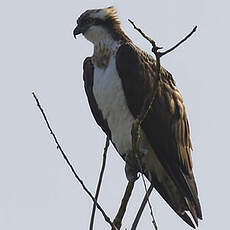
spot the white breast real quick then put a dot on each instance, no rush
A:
(109, 94)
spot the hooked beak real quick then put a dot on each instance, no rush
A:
(77, 30)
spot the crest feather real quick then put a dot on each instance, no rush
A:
(106, 13)
(111, 13)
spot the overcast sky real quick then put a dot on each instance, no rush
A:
(38, 53)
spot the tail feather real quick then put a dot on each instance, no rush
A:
(192, 210)
(187, 219)
(177, 201)
(192, 185)
(187, 188)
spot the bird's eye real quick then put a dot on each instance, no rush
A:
(88, 20)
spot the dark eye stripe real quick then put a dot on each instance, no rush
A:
(89, 20)
(86, 21)
(98, 21)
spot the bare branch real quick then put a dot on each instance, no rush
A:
(141, 209)
(179, 43)
(147, 198)
(99, 183)
(121, 212)
(107, 219)
(144, 35)
(155, 48)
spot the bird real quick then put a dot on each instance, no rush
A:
(117, 78)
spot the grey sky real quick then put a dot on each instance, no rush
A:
(38, 53)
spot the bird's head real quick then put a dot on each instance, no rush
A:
(98, 24)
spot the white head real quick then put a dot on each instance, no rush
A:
(99, 24)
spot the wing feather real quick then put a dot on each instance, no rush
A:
(166, 125)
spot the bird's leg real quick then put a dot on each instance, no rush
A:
(132, 166)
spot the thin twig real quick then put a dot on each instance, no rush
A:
(121, 212)
(99, 182)
(107, 219)
(141, 209)
(144, 35)
(153, 43)
(149, 204)
(149, 101)
(179, 43)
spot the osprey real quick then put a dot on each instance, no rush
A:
(117, 79)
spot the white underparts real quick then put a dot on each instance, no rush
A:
(109, 94)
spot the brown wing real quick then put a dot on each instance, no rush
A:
(166, 125)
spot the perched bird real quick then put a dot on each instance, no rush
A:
(117, 79)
